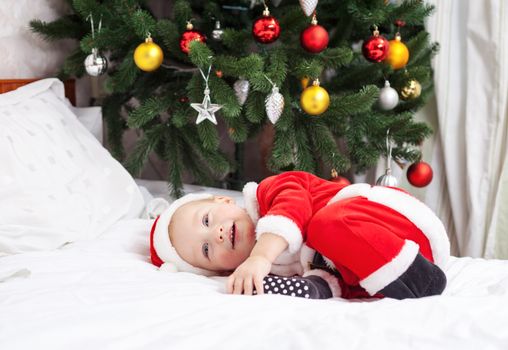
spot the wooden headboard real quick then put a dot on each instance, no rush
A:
(7, 85)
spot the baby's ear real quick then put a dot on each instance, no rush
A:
(223, 199)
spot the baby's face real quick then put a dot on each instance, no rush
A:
(213, 234)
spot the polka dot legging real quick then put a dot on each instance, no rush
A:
(310, 287)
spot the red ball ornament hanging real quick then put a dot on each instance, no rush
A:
(339, 179)
(419, 174)
(376, 48)
(266, 29)
(314, 38)
(189, 35)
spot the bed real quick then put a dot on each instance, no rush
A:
(79, 276)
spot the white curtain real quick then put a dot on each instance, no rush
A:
(469, 150)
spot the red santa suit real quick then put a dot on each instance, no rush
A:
(369, 234)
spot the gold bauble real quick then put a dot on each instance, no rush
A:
(148, 55)
(315, 100)
(398, 55)
(411, 90)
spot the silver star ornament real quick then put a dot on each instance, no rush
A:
(206, 109)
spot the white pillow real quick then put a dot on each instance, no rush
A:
(57, 183)
(90, 118)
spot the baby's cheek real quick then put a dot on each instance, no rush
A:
(230, 259)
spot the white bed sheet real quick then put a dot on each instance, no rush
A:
(104, 294)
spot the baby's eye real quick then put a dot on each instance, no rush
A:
(205, 250)
(205, 220)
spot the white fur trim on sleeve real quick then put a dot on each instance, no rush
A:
(392, 270)
(250, 200)
(410, 207)
(283, 227)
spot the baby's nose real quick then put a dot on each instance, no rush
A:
(221, 234)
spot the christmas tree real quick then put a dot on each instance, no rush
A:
(315, 69)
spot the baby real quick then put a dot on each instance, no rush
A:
(303, 236)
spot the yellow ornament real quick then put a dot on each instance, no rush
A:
(315, 100)
(304, 82)
(411, 90)
(398, 55)
(148, 55)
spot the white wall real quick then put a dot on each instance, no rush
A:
(26, 55)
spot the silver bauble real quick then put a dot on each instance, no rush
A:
(274, 104)
(241, 87)
(387, 179)
(308, 6)
(276, 3)
(218, 32)
(388, 97)
(95, 63)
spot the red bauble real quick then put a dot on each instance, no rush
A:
(375, 48)
(314, 38)
(266, 29)
(188, 36)
(419, 174)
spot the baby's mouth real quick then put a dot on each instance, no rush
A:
(232, 235)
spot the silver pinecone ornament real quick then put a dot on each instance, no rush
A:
(218, 32)
(388, 97)
(387, 179)
(308, 6)
(274, 105)
(241, 87)
(95, 63)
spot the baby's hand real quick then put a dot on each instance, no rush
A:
(248, 275)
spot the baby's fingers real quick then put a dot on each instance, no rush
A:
(258, 283)
(238, 286)
(247, 286)
(230, 284)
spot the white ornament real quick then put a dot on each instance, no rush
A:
(274, 104)
(206, 109)
(218, 32)
(388, 97)
(241, 87)
(308, 6)
(95, 63)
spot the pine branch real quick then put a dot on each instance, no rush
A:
(351, 104)
(62, 28)
(142, 23)
(148, 110)
(200, 55)
(121, 80)
(255, 107)
(173, 153)
(182, 13)
(336, 57)
(144, 146)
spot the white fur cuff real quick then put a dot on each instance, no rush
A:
(283, 227)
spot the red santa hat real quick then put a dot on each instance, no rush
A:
(162, 252)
